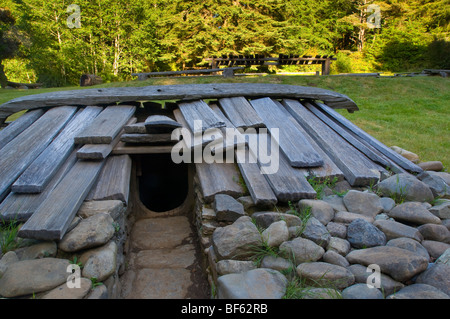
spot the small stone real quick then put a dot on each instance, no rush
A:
(347, 217)
(444, 258)
(246, 201)
(227, 208)
(264, 219)
(316, 232)
(446, 223)
(276, 234)
(98, 292)
(436, 183)
(413, 212)
(400, 264)
(295, 231)
(339, 245)
(419, 291)
(259, 283)
(409, 244)
(7, 259)
(208, 214)
(437, 276)
(387, 203)
(41, 250)
(334, 258)
(394, 229)
(387, 284)
(361, 291)
(302, 250)
(321, 210)
(111, 207)
(362, 234)
(336, 202)
(100, 263)
(277, 263)
(435, 248)
(431, 166)
(406, 187)
(33, 276)
(337, 230)
(367, 204)
(442, 210)
(90, 232)
(230, 266)
(64, 292)
(326, 274)
(435, 232)
(406, 154)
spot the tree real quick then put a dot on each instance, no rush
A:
(9, 41)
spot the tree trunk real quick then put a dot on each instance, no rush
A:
(3, 78)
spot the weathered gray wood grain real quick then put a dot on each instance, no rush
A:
(39, 173)
(114, 180)
(106, 125)
(199, 116)
(388, 152)
(52, 218)
(175, 92)
(18, 154)
(294, 145)
(147, 138)
(20, 207)
(239, 111)
(137, 128)
(160, 124)
(358, 170)
(18, 126)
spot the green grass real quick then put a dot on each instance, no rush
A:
(412, 113)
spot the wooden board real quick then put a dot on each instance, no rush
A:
(101, 151)
(240, 112)
(20, 207)
(137, 128)
(219, 178)
(175, 92)
(357, 169)
(18, 154)
(106, 125)
(114, 180)
(123, 148)
(199, 111)
(388, 152)
(294, 145)
(40, 172)
(52, 218)
(18, 126)
(147, 138)
(160, 124)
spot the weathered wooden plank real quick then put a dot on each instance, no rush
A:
(106, 125)
(388, 152)
(240, 112)
(20, 207)
(358, 170)
(114, 180)
(137, 128)
(147, 138)
(18, 126)
(122, 148)
(199, 116)
(176, 92)
(160, 124)
(52, 218)
(219, 178)
(39, 173)
(293, 143)
(18, 154)
(101, 151)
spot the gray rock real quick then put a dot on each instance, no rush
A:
(435, 232)
(444, 175)
(277, 263)
(334, 258)
(409, 244)
(431, 166)
(435, 248)
(264, 219)
(406, 154)
(437, 276)
(64, 292)
(400, 264)
(259, 283)
(98, 292)
(326, 274)
(321, 210)
(227, 208)
(100, 263)
(339, 245)
(413, 212)
(33, 276)
(347, 217)
(367, 204)
(236, 241)
(208, 214)
(337, 229)
(446, 223)
(436, 183)
(276, 234)
(229, 266)
(336, 202)
(405, 186)
(387, 203)
(394, 229)
(316, 232)
(301, 250)
(112, 207)
(361, 291)
(387, 284)
(444, 258)
(419, 291)
(442, 210)
(8, 258)
(362, 234)
(41, 250)
(91, 232)
(295, 231)
(246, 201)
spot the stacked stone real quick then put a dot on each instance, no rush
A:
(85, 263)
(258, 253)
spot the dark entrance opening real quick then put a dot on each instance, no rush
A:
(163, 185)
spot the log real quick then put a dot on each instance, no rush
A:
(90, 80)
(28, 85)
(18, 126)
(106, 125)
(240, 112)
(175, 92)
(294, 145)
(18, 154)
(52, 218)
(40, 172)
